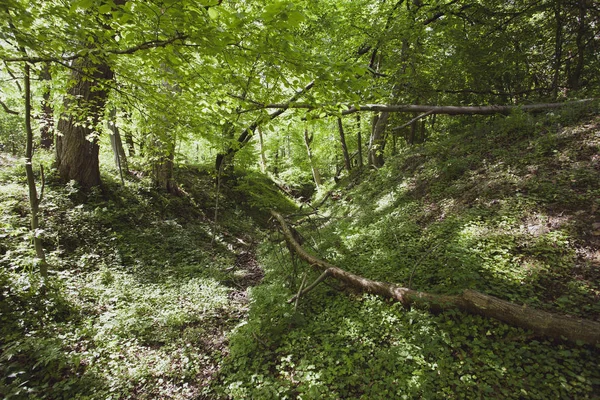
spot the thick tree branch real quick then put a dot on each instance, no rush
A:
(152, 44)
(541, 322)
(448, 110)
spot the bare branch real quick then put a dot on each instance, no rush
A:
(8, 110)
(412, 120)
(405, 108)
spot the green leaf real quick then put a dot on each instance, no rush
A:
(213, 13)
(105, 9)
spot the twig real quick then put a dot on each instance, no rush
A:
(413, 120)
(320, 279)
(300, 291)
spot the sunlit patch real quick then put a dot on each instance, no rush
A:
(386, 201)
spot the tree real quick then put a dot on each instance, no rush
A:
(77, 146)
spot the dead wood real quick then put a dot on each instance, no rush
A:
(540, 322)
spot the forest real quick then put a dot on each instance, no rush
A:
(310, 199)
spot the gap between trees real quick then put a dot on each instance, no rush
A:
(542, 323)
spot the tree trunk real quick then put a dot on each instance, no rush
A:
(116, 142)
(77, 147)
(427, 109)
(47, 126)
(163, 165)
(344, 146)
(540, 322)
(263, 159)
(34, 200)
(127, 134)
(558, 42)
(575, 78)
(130, 143)
(359, 141)
(377, 141)
(413, 132)
(315, 171)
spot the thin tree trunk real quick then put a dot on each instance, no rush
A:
(541, 322)
(558, 42)
(413, 131)
(128, 135)
(117, 144)
(47, 126)
(315, 171)
(263, 159)
(575, 79)
(276, 168)
(359, 141)
(344, 146)
(34, 200)
(377, 141)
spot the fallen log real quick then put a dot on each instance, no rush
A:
(427, 109)
(540, 322)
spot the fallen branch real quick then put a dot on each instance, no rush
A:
(397, 128)
(313, 285)
(418, 108)
(540, 322)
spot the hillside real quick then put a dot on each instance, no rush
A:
(509, 208)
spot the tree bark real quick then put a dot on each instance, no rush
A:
(540, 322)
(77, 145)
(163, 167)
(347, 163)
(117, 144)
(359, 141)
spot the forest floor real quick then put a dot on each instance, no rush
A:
(147, 299)
(142, 292)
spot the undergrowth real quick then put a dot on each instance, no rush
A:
(509, 208)
(142, 289)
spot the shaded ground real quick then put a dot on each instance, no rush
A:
(140, 300)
